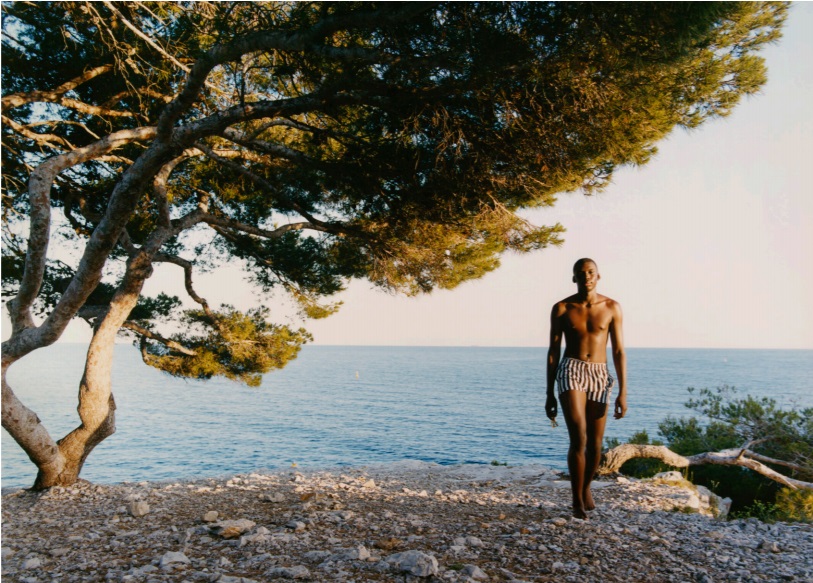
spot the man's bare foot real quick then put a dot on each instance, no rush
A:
(589, 504)
(579, 513)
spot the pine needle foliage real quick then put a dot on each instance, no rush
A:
(312, 143)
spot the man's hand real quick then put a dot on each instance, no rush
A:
(620, 407)
(551, 407)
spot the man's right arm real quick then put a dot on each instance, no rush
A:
(554, 354)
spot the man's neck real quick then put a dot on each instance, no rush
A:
(587, 297)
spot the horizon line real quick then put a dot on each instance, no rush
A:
(541, 346)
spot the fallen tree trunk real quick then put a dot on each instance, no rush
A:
(615, 458)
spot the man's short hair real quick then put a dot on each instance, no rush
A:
(582, 261)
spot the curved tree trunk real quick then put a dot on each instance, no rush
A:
(615, 458)
(60, 464)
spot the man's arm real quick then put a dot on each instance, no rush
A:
(619, 360)
(554, 354)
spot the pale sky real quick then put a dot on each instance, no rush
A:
(708, 245)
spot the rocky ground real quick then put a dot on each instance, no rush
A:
(398, 522)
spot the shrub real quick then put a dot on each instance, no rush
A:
(732, 422)
(794, 505)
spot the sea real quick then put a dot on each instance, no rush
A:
(359, 405)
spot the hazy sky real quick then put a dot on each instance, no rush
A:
(708, 245)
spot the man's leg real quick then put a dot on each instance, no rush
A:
(573, 409)
(596, 419)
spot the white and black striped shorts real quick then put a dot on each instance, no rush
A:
(592, 378)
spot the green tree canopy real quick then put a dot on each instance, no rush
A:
(313, 143)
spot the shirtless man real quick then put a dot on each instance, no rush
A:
(586, 319)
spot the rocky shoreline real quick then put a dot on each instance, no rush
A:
(408, 521)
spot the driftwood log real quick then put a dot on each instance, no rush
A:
(743, 457)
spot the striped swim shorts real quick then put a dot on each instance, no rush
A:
(592, 378)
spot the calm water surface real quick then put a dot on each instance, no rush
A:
(355, 405)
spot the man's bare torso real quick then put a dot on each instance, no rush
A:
(586, 327)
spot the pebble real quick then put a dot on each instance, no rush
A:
(374, 524)
(138, 508)
(211, 516)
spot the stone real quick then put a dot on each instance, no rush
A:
(769, 546)
(673, 476)
(474, 572)
(369, 484)
(172, 558)
(387, 544)
(359, 553)
(316, 556)
(414, 563)
(295, 525)
(6, 553)
(232, 528)
(138, 508)
(275, 497)
(296, 572)
(211, 516)
(230, 579)
(31, 563)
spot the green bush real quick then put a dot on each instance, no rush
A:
(794, 505)
(731, 422)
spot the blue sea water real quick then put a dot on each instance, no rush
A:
(355, 405)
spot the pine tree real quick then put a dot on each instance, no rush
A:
(312, 143)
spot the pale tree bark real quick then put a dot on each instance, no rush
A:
(97, 407)
(742, 457)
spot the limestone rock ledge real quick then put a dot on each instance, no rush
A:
(407, 521)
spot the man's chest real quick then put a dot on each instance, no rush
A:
(590, 321)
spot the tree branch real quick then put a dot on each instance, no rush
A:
(187, 268)
(261, 182)
(39, 193)
(145, 333)
(18, 99)
(265, 40)
(145, 38)
(264, 233)
(615, 458)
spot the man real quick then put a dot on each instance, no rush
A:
(586, 319)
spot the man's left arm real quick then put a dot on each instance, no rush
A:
(619, 360)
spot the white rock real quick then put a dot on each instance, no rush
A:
(693, 502)
(138, 508)
(473, 541)
(414, 563)
(230, 579)
(173, 558)
(6, 553)
(369, 484)
(296, 526)
(232, 528)
(275, 497)
(359, 553)
(210, 516)
(474, 572)
(32, 563)
(723, 507)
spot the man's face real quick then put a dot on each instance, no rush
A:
(586, 276)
